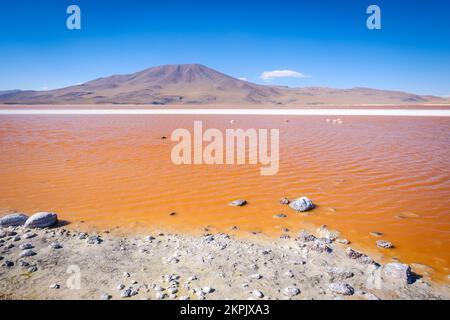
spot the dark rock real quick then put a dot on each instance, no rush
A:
(8, 264)
(13, 220)
(280, 216)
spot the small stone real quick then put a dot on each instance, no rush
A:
(30, 235)
(32, 269)
(184, 298)
(105, 296)
(126, 274)
(42, 220)
(128, 293)
(207, 290)
(82, 236)
(238, 203)
(172, 290)
(13, 220)
(256, 276)
(26, 246)
(302, 205)
(55, 246)
(280, 216)
(343, 241)
(342, 288)
(376, 234)
(23, 264)
(149, 238)
(121, 287)
(27, 253)
(339, 273)
(305, 236)
(158, 288)
(54, 286)
(16, 238)
(291, 291)
(94, 240)
(384, 244)
(258, 294)
(289, 274)
(8, 264)
(328, 234)
(160, 295)
(284, 201)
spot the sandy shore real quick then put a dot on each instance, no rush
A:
(66, 264)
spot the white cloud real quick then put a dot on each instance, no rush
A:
(243, 79)
(270, 75)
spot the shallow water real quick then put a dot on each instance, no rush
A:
(390, 175)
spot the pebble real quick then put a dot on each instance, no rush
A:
(291, 291)
(128, 293)
(172, 290)
(384, 244)
(305, 236)
(55, 246)
(105, 296)
(280, 216)
(207, 290)
(184, 298)
(376, 234)
(285, 201)
(256, 276)
(238, 203)
(16, 238)
(27, 253)
(26, 246)
(30, 235)
(342, 288)
(8, 264)
(121, 287)
(94, 240)
(126, 274)
(258, 294)
(54, 286)
(343, 241)
(289, 274)
(160, 295)
(339, 273)
(32, 269)
(42, 220)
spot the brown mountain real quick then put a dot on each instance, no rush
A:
(194, 84)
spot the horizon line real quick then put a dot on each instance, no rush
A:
(256, 112)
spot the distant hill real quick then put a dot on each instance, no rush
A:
(194, 84)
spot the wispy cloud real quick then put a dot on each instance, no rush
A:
(276, 74)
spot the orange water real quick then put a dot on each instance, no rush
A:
(390, 175)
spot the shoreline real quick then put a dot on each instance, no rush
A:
(211, 266)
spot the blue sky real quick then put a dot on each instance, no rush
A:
(326, 40)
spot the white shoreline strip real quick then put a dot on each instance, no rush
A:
(262, 112)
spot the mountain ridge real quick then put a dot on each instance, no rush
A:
(196, 84)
